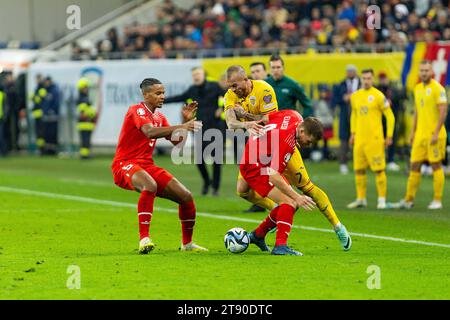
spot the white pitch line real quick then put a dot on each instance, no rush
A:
(203, 214)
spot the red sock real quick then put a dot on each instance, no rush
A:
(186, 213)
(285, 217)
(268, 224)
(145, 211)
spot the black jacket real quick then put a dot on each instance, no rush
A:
(207, 95)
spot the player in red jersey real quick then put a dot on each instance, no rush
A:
(264, 159)
(133, 167)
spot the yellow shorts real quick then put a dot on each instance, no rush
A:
(422, 150)
(369, 154)
(295, 171)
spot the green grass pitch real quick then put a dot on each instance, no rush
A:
(50, 219)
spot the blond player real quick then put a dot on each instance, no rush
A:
(249, 100)
(368, 106)
(428, 136)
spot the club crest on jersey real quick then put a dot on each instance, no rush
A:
(141, 112)
(428, 91)
(252, 100)
(267, 98)
(370, 98)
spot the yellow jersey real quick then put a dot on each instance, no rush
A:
(426, 99)
(368, 106)
(261, 100)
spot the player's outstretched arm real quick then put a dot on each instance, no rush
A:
(152, 132)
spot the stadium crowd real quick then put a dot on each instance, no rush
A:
(276, 24)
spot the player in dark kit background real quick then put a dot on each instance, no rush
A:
(134, 169)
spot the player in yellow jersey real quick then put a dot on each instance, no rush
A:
(368, 106)
(428, 136)
(246, 102)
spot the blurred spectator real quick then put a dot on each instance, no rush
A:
(287, 90)
(217, 24)
(209, 96)
(50, 109)
(87, 117)
(396, 97)
(258, 71)
(322, 111)
(11, 119)
(341, 99)
(3, 112)
(37, 113)
(447, 154)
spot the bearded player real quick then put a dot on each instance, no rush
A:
(133, 167)
(428, 136)
(264, 160)
(246, 102)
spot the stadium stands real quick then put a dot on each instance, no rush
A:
(249, 27)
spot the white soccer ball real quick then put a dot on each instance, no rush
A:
(236, 240)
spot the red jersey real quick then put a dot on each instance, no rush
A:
(133, 143)
(275, 148)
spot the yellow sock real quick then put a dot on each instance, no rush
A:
(413, 185)
(255, 198)
(381, 182)
(361, 185)
(438, 183)
(322, 202)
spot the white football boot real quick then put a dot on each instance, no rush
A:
(381, 205)
(358, 203)
(192, 247)
(146, 245)
(435, 204)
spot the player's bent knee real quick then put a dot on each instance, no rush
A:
(435, 165)
(186, 196)
(415, 166)
(242, 190)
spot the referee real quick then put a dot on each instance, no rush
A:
(209, 96)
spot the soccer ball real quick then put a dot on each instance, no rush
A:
(236, 240)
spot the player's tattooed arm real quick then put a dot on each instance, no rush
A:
(242, 114)
(233, 122)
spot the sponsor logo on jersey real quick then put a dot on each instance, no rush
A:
(252, 100)
(370, 98)
(428, 91)
(285, 90)
(141, 111)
